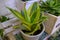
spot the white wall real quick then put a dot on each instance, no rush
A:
(4, 3)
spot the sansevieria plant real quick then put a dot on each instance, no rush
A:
(31, 19)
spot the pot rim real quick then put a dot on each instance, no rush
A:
(50, 14)
(34, 35)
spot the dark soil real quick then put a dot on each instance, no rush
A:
(37, 32)
(5, 38)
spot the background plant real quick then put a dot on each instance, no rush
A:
(51, 6)
(1, 33)
(3, 18)
(55, 36)
(31, 18)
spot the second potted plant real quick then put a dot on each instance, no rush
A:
(31, 20)
(52, 10)
(51, 7)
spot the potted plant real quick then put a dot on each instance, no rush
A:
(31, 20)
(51, 8)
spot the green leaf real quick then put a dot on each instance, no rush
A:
(1, 33)
(35, 12)
(16, 13)
(27, 18)
(32, 8)
(35, 29)
(16, 27)
(29, 10)
(33, 16)
(37, 15)
(26, 26)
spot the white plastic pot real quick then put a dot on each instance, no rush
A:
(35, 37)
